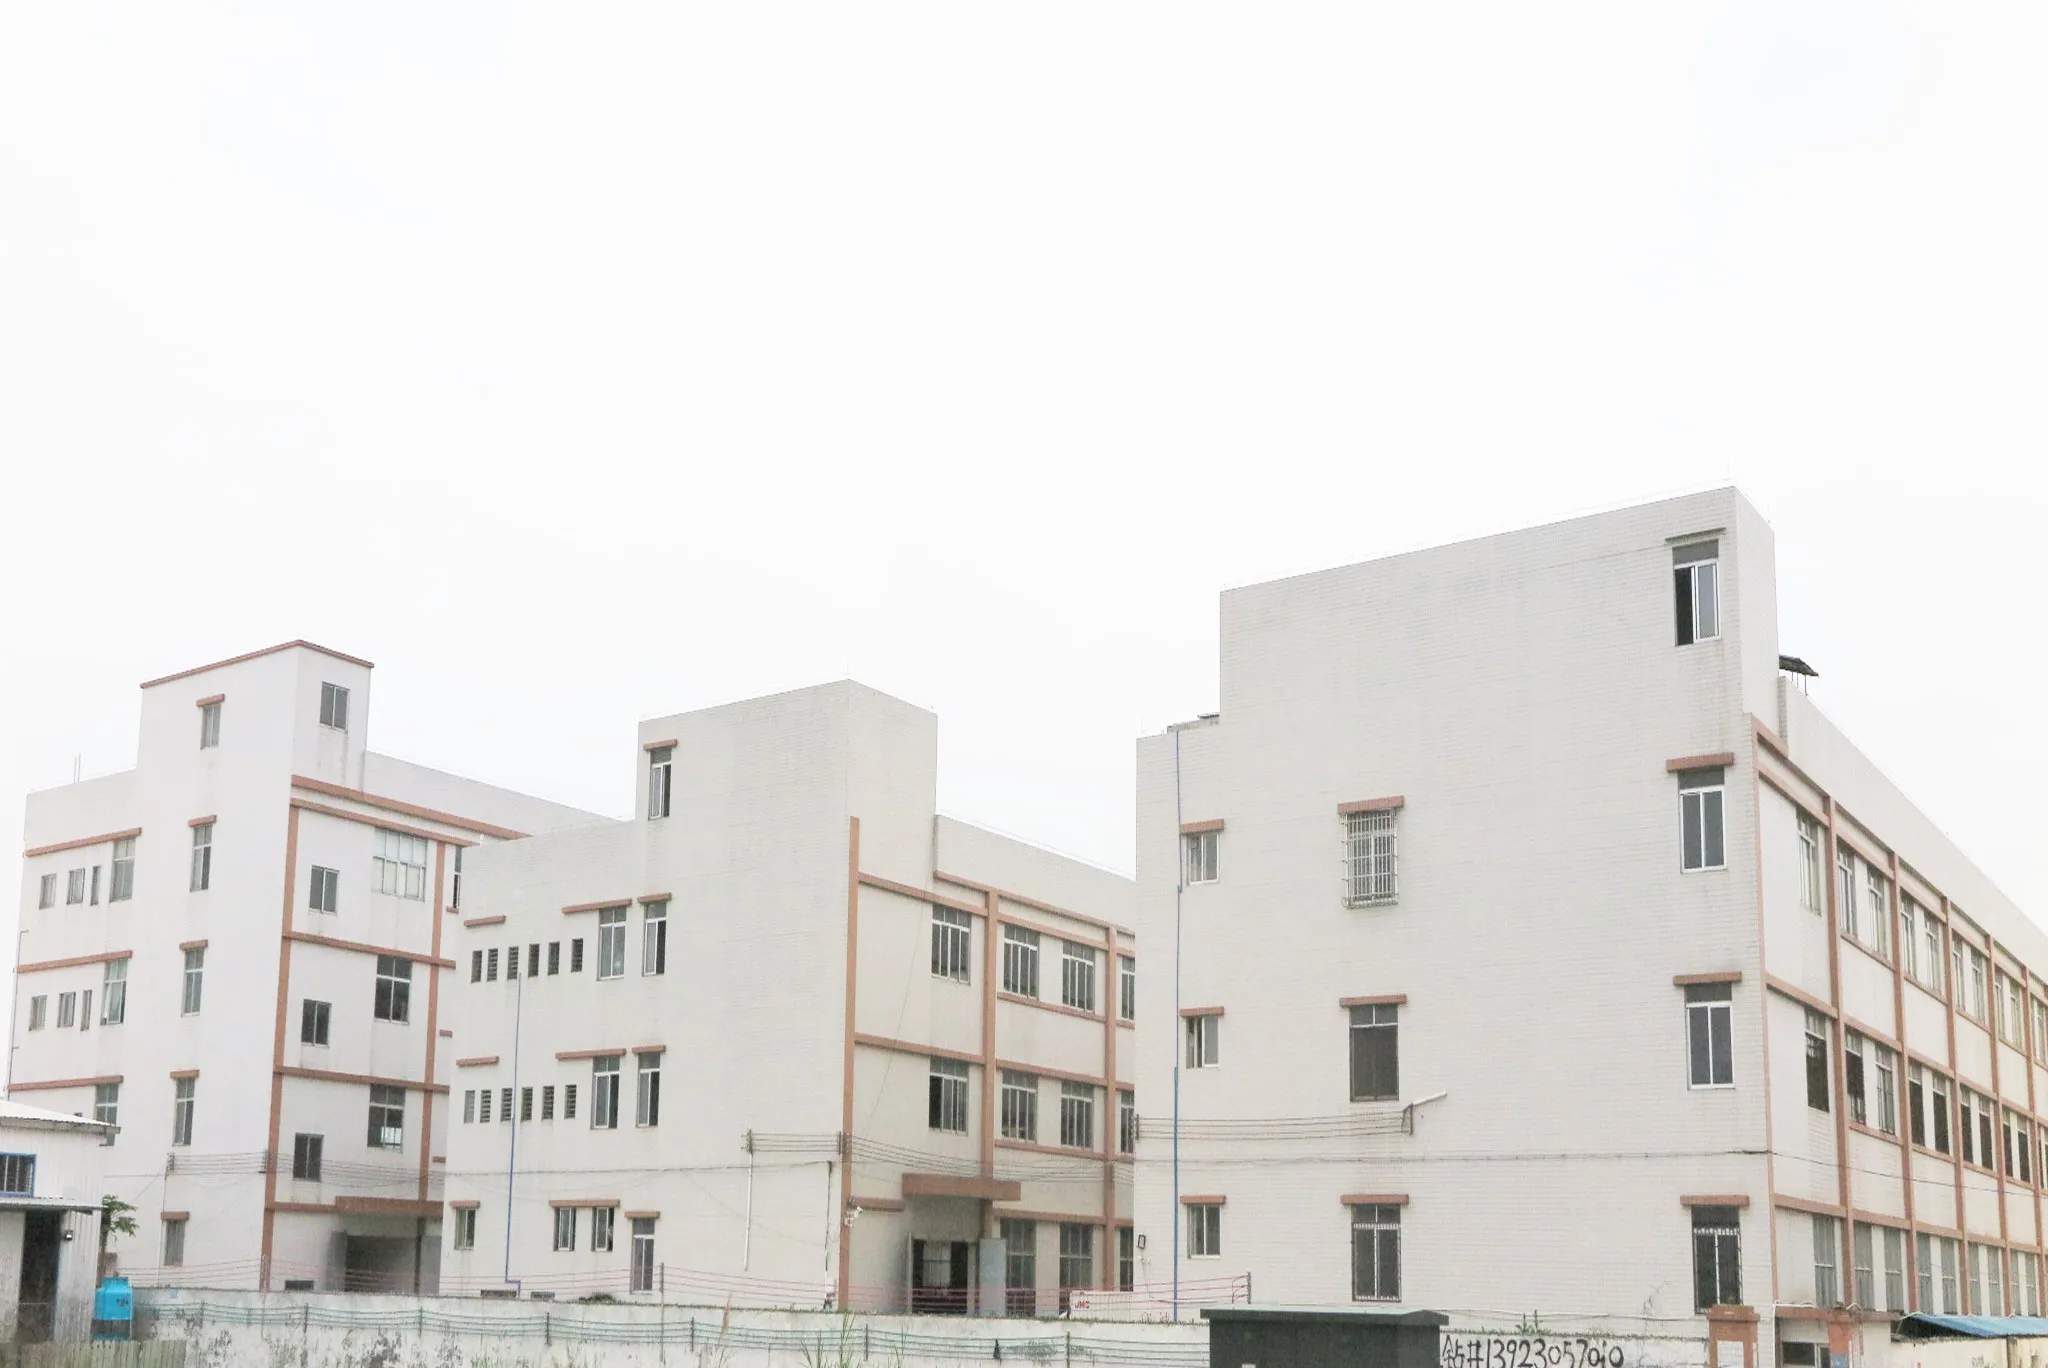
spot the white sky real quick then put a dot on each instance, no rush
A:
(585, 364)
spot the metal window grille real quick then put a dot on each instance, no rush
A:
(1376, 1252)
(952, 944)
(505, 1106)
(1020, 1266)
(483, 1106)
(1372, 858)
(1077, 976)
(1077, 1115)
(1020, 961)
(399, 866)
(576, 955)
(554, 957)
(568, 1101)
(491, 965)
(547, 1102)
(526, 1103)
(1019, 1105)
(1716, 1257)
(947, 1102)
(476, 966)
(533, 958)
(469, 1106)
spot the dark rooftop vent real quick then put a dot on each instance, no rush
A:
(1794, 665)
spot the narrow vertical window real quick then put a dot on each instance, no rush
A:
(576, 955)
(647, 1111)
(660, 780)
(1827, 1255)
(946, 1096)
(1863, 1246)
(952, 944)
(1879, 891)
(394, 988)
(334, 707)
(643, 1254)
(306, 1155)
(468, 1106)
(313, 1018)
(174, 1241)
(554, 957)
(1845, 899)
(565, 1228)
(1716, 1257)
(202, 856)
(653, 938)
(611, 943)
(48, 896)
(1127, 988)
(1709, 1035)
(1696, 579)
(1019, 1105)
(1375, 1052)
(1817, 1038)
(465, 1227)
(1126, 1121)
(114, 993)
(121, 881)
(195, 979)
(1809, 864)
(1205, 1230)
(1077, 976)
(1853, 1046)
(1894, 1268)
(1020, 961)
(602, 1219)
(209, 726)
(604, 1092)
(547, 1102)
(1701, 835)
(455, 884)
(1077, 1258)
(1376, 1252)
(184, 1093)
(1020, 1266)
(74, 886)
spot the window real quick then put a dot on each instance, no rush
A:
(476, 966)
(1375, 1052)
(2019, 1148)
(1879, 889)
(306, 1156)
(1716, 1257)
(1204, 1040)
(394, 988)
(400, 865)
(1709, 1035)
(1827, 1252)
(387, 1116)
(483, 1106)
(2040, 1010)
(511, 963)
(114, 993)
(2012, 1017)
(195, 979)
(568, 1101)
(1809, 864)
(653, 940)
(1198, 856)
(1976, 1117)
(1127, 988)
(1126, 1258)
(1700, 793)
(554, 957)
(1862, 1246)
(952, 939)
(1817, 1037)
(85, 1010)
(1951, 1303)
(202, 856)
(946, 1108)
(18, 1175)
(1126, 1121)
(1894, 1268)
(491, 965)
(1019, 1105)
(48, 896)
(547, 1102)
(465, 1227)
(1909, 937)
(313, 1022)
(643, 1254)
(106, 1104)
(526, 1104)
(647, 1111)
(1205, 1230)
(1885, 1064)
(209, 725)
(1077, 1115)
(1376, 1252)
(1020, 1267)
(611, 943)
(533, 953)
(1924, 1283)
(1970, 967)
(602, 1219)
(1370, 849)
(94, 897)
(505, 1106)
(565, 1228)
(121, 882)
(1845, 900)
(38, 1011)
(1987, 1297)
(174, 1242)
(67, 1010)
(1930, 933)
(1020, 961)
(1696, 576)
(1077, 1255)
(325, 894)
(1077, 976)
(183, 1092)
(469, 1107)
(604, 1092)
(660, 780)
(74, 887)
(334, 707)
(2026, 1283)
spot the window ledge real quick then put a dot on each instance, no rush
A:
(1354, 904)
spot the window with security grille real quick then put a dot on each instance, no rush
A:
(554, 957)
(1375, 1052)
(121, 878)
(952, 944)
(1020, 961)
(183, 1101)
(604, 1092)
(324, 892)
(202, 856)
(313, 1018)
(195, 980)
(1199, 852)
(946, 1107)
(491, 965)
(653, 940)
(483, 1106)
(1376, 1252)
(1205, 1230)
(400, 865)
(576, 955)
(1077, 976)
(611, 943)
(505, 1105)
(1701, 831)
(334, 707)
(306, 1150)
(394, 988)
(1696, 582)
(476, 966)
(1716, 1257)
(547, 1102)
(1077, 1115)
(647, 1111)
(661, 765)
(1710, 1035)
(511, 963)
(568, 1101)
(1019, 1105)
(387, 1116)
(1372, 857)
(114, 993)
(526, 1103)
(565, 1228)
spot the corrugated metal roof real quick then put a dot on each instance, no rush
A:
(1922, 1325)
(21, 1114)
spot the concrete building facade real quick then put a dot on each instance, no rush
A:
(232, 954)
(1545, 949)
(790, 1037)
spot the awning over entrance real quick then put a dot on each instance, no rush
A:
(47, 1204)
(1921, 1325)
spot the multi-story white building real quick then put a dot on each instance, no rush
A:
(789, 1036)
(232, 952)
(1544, 948)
